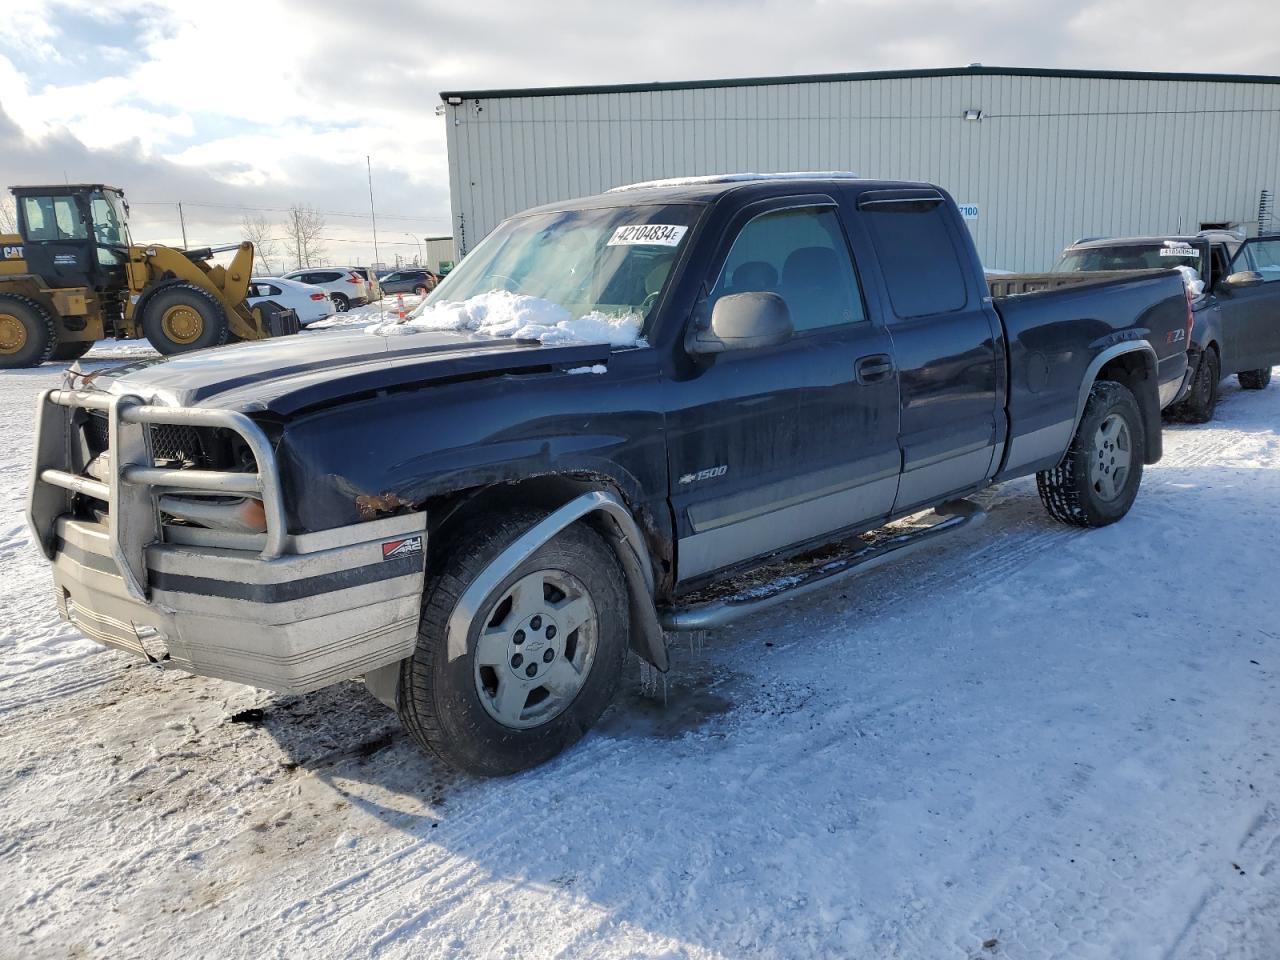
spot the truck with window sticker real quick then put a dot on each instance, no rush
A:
(1236, 303)
(609, 422)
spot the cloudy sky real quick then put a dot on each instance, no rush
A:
(235, 106)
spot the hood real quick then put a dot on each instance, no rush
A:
(285, 374)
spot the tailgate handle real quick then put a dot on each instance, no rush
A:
(878, 366)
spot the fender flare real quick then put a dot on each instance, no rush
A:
(646, 633)
(1150, 406)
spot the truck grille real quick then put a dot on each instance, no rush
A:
(172, 443)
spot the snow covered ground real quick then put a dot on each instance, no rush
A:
(1033, 742)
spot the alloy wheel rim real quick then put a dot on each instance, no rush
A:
(1112, 457)
(535, 649)
(182, 324)
(13, 333)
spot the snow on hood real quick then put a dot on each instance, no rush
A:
(501, 313)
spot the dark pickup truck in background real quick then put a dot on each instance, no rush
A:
(483, 526)
(1237, 313)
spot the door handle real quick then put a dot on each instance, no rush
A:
(878, 366)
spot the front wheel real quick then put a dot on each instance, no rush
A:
(183, 317)
(1097, 480)
(70, 350)
(543, 654)
(1254, 379)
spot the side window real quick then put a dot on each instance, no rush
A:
(1262, 256)
(802, 256)
(327, 277)
(917, 255)
(53, 218)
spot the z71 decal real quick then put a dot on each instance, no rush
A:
(401, 548)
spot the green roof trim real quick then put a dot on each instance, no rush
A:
(867, 75)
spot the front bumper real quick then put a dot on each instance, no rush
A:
(285, 612)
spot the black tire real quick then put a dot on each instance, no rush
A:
(440, 700)
(180, 307)
(1070, 491)
(28, 333)
(1254, 379)
(1202, 397)
(340, 303)
(72, 350)
(421, 290)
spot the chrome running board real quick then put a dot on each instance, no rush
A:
(957, 515)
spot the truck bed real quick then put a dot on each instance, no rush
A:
(1046, 365)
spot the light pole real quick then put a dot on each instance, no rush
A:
(418, 242)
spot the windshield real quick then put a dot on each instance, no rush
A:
(613, 261)
(1152, 255)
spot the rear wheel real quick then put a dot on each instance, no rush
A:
(1098, 478)
(1254, 379)
(543, 656)
(72, 350)
(1202, 397)
(28, 334)
(183, 317)
(422, 289)
(340, 303)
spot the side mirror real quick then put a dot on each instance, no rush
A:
(741, 321)
(1244, 279)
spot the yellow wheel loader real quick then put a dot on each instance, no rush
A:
(72, 276)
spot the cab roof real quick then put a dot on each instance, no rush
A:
(707, 190)
(62, 189)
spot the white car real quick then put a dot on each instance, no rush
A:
(311, 303)
(345, 287)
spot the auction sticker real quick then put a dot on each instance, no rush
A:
(1172, 249)
(648, 234)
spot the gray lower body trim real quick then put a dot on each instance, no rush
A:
(724, 546)
(1038, 445)
(944, 477)
(959, 514)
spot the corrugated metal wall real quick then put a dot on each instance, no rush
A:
(1053, 159)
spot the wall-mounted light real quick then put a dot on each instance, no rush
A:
(974, 115)
(453, 101)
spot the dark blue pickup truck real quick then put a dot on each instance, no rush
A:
(693, 381)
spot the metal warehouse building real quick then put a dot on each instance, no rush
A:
(1038, 157)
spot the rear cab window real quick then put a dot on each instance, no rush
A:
(919, 258)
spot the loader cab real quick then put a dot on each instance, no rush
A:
(75, 235)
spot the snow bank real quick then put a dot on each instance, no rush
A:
(501, 313)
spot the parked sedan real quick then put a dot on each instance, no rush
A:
(420, 282)
(345, 287)
(1237, 311)
(309, 302)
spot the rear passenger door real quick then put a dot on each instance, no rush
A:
(945, 340)
(1258, 307)
(776, 446)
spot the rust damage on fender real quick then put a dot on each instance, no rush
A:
(373, 506)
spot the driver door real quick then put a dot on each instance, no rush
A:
(774, 446)
(1258, 307)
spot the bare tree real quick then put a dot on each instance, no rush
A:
(8, 215)
(258, 231)
(303, 226)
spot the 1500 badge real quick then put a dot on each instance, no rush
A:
(708, 474)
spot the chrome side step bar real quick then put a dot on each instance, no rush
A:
(958, 514)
